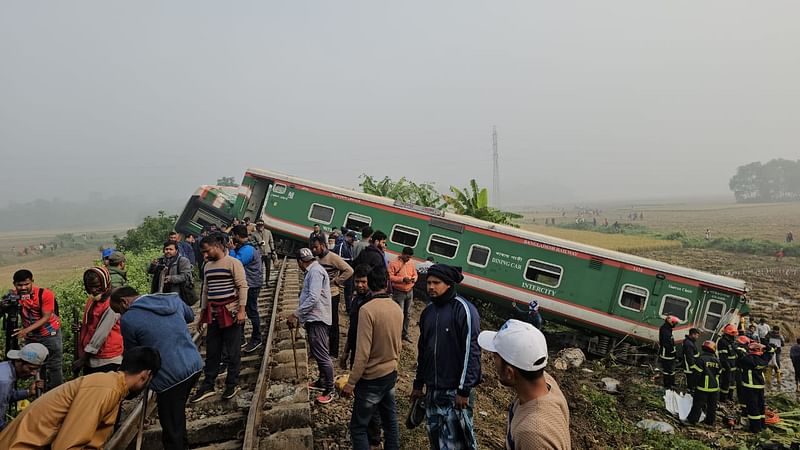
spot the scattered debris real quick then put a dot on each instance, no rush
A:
(655, 425)
(569, 357)
(611, 385)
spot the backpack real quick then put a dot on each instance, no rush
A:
(41, 308)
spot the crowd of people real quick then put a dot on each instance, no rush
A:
(130, 342)
(737, 367)
(378, 293)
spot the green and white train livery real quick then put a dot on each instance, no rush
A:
(616, 297)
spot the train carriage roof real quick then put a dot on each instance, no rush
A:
(719, 280)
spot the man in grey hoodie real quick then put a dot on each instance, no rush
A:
(159, 321)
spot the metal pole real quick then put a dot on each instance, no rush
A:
(294, 353)
(140, 434)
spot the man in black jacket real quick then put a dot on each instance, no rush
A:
(752, 367)
(666, 354)
(375, 254)
(690, 353)
(170, 272)
(726, 349)
(448, 361)
(706, 396)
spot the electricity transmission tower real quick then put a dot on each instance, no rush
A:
(495, 170)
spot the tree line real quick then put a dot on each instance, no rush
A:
(776, 181)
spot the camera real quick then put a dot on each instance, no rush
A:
(9, 308)
(10, 302)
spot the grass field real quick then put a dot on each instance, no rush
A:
(770, 221)
(50, 266)
(619, 242)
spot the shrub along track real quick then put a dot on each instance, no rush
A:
(272, 409)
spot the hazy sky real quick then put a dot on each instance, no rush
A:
(592, 100)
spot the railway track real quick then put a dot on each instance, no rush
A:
(271, 411)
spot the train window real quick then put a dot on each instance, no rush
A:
(320, 213)
(279, 189)
(675, 306)
(405, 236)
(543, 273)
(443, 246)
(714, 312)
(633, 297)
(479, 255)
(357, 222)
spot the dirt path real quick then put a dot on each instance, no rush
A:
(331, 421)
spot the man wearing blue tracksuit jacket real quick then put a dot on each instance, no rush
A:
(448, 362)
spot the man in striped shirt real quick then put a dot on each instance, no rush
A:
(222, 308)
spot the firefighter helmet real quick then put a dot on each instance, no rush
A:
(730, 330)
(756, 348)
(710, 346)
(744, 340)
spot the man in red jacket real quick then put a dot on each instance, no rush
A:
(100, 338)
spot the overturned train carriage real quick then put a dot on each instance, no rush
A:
(620, 300)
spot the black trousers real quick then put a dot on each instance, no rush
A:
(706, 402)
(668, 371)
(796, 364)
(754, 407)
(727, 385)
(172, 413)
(691, 381)
(217, 339)
(333, 332)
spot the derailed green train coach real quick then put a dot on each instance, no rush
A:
(618, 299)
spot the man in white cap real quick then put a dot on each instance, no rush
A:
(538, 418)
(21, 364)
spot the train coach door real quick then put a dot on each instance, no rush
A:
(256, 194)
(713, 311)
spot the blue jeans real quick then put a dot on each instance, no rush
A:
(371, 395)
(252, 313)
(51, 369)
(404, 299)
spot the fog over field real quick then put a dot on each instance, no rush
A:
(593, 100)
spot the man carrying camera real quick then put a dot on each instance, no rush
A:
(40, 323)
(171, 272)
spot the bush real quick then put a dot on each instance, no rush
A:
(150, 234)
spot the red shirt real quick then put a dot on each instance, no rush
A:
(32, 311)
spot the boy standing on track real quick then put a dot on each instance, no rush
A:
(222, 309)
(314, 313)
